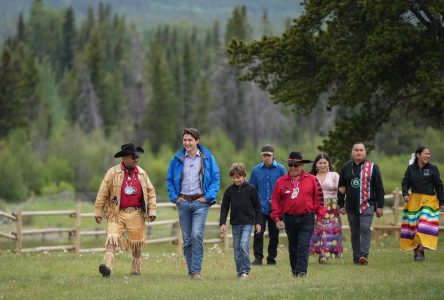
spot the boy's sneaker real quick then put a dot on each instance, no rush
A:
(257, 262)
(196, 276)
(244, 276)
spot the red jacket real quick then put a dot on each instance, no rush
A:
(309, 199)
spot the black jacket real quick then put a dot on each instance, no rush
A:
(423, 181)
(245, 205)
(351, 170)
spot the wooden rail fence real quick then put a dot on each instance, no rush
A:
(77, 233)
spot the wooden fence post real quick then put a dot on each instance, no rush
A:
(396, 206)
(77, 229)
(18, 232)
(178, 237)
(396, 212)
(226, 239)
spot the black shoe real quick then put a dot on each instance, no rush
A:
(300, 275)
(104, 270)
(257, 262)
(419, 256)
(271, 262)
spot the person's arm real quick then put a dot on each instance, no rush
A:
(172, 193)
(437, 183)
(318, 200)
(152, 204)
(102, 196)
(254, 179)
(276, 209)
(224, 207)
(378, 187)
(213, 189)
(406, 184)
(341, 188)
(257, 208)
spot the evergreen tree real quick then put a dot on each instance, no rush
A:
(68, 39)
(21, 30)
(162, 116)
(372, 58)
(187, 83)
(203, 106)
(238, 26)
(267, 27)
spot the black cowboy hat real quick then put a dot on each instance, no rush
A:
(129, 149)
(296, 157)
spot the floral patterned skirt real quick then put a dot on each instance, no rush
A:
(327, 238)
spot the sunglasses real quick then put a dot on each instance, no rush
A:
(134, 157)
(293, 165)
(266, 155)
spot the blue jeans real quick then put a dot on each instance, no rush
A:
(299, 229)
(241, 245)
(192, 218)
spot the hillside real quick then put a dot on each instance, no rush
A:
(154, 12)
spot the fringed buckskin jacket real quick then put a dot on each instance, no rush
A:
(108, 197)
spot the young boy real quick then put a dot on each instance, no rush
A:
(245, 213)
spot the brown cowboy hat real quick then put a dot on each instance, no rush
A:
(129, 149)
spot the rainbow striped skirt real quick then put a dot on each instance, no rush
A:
(420, 222)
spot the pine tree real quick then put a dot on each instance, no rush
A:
(187, 83)
(203, 106)
(68, 39)
(21, 30)
(266, 25)
(162, 116)
(238, 26)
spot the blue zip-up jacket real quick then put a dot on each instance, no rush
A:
(209, 175)
(263, 178)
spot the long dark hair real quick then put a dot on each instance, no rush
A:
(321, 155)
(419, 151)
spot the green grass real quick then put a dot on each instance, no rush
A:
(56, 275)
(391, 273)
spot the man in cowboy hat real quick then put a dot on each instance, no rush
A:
(126, 198)
(297, 200)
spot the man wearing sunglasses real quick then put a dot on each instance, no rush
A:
(126, 198)
(297, 201)
(263, 178)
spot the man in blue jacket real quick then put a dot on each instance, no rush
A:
(193, 181)
(263, 177)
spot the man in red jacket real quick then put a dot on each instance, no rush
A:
(297, 200)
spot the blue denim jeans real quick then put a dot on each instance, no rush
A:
(192, 218)
(299, 229)
(241, 245)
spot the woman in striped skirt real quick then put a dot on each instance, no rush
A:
(420, 221)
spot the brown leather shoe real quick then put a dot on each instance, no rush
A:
(363, 261)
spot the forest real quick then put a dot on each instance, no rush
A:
(75, 84)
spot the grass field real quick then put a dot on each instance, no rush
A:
(391, 274)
